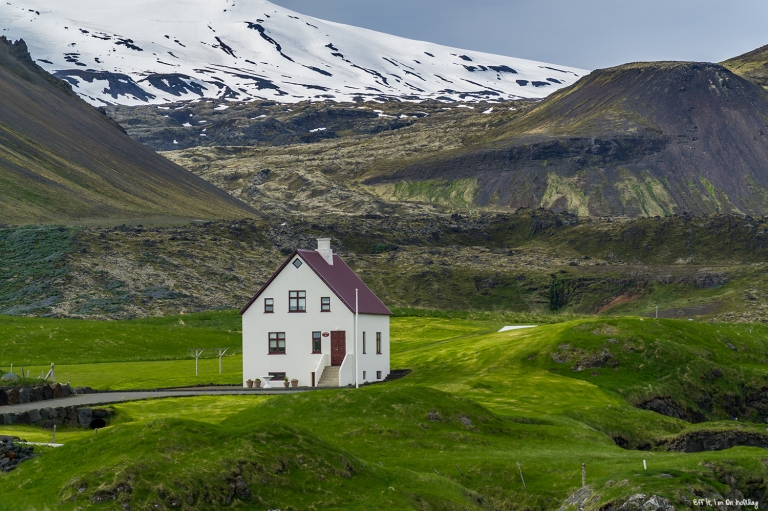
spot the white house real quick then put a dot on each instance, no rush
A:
(303, 324)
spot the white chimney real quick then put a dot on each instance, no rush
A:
(324, 249)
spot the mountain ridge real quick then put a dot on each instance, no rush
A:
(237, 51)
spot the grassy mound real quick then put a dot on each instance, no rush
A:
(181, 464)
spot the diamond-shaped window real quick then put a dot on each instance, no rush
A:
(297, 263)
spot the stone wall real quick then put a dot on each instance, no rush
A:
(81, 416)
(20, 394)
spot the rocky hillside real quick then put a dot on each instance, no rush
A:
(647, 139)
(529, 262)
(184, 125)
(61, 159)
(637, 140)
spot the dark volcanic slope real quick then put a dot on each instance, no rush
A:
(60, 159)
(752, 65)
(639, 139)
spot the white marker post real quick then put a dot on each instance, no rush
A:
(357, 385)
(196, 353)
(644, 466)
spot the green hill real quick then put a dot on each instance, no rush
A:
(60, 159)
(752, 65)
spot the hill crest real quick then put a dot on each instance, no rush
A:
(640, 139)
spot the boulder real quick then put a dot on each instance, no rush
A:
(34, 416)
(3, 397)
(647, 503)
(24, 395)
(66, 390)
(43, 413)
(47, 392)
(85, 416)
(50, 412)
(60, 413)
(79, 390)
(22, 418)
(13, 396)
(72, 415)
(89, 390)
(57, 391)
(7, 419)
(99, 413)
(36, 394)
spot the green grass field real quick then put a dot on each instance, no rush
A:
(448, 436)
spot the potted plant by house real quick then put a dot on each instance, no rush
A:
(249, 383)
(257, 383)
(294, 382)
(286, 382)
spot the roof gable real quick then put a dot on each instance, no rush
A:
(339, 278)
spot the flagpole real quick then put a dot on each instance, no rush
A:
(356, 324)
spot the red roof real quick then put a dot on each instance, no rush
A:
(339, 278)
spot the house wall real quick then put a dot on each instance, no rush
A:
(370, 362)
(299, 362)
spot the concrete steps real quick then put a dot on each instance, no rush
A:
(329, 377)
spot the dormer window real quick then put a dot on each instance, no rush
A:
(297, 301)
(297, 263)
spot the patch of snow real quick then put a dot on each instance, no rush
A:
(221, 107)
(187, 125)
(317, 129)
(490, 110)
(175, 141)
(516, 327)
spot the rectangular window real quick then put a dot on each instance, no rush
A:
(378, 375)
(378, 343)
(297, 301)
(269, 305)
(363, 375)
(277, 376)
(325, 304)
(363, 343)
(317, 342)
(276, 343)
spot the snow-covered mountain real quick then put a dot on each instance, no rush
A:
(148, 51)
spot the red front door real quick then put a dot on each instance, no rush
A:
(338, 347)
